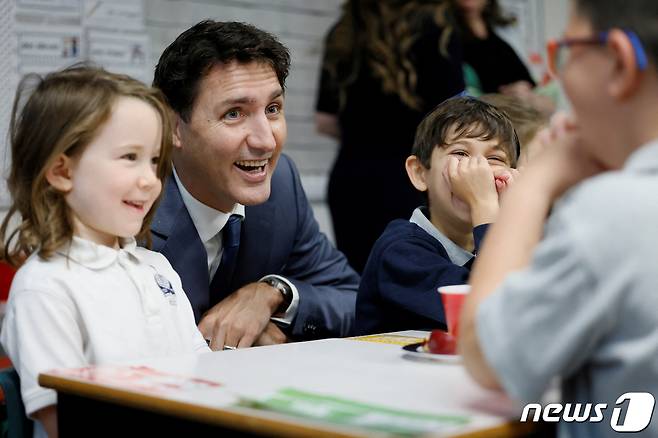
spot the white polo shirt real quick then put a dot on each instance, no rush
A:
(91, 304)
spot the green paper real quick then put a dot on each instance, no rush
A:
(355, 414)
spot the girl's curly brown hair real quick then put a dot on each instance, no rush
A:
(62, 115)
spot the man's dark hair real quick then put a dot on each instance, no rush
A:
(639, 16)
(464, 117)
(189, 58)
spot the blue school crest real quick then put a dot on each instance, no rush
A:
(166, 287)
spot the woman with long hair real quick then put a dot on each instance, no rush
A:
(491, 65)
(494, 61)
(386, 64)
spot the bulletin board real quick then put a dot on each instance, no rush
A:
(41, 36)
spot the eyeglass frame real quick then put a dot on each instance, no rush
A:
(601, 38)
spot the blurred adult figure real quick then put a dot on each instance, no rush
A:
(497, 65)
(386, 64)
(491, 65)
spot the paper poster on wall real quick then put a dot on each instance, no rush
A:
(121, 53)
(116, 14)
(48, 48)
(49, 11)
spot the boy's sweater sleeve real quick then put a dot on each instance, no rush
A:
(411, 271)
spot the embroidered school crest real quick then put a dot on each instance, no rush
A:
(166, 288)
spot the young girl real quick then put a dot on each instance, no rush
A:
(90, 150)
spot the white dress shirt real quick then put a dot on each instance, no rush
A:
(208, 223)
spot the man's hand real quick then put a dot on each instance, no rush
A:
(241, 319)
(472, 181)
(271, 335)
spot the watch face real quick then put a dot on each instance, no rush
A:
(280, 285)
(285, 290)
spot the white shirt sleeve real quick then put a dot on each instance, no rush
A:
(197, 341)
(41, 332)
(291, 311)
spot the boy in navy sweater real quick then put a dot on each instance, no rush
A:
(463, 157)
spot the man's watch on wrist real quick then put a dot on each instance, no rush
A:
(285, 290)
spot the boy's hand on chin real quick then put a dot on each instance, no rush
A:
(472, 181)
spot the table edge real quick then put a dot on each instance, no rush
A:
(245, 419)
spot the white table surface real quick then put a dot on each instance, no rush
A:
(368, 372)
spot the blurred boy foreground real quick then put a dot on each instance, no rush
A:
(574, 296)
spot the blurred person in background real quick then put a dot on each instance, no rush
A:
(531, 125)
(491, 65)
(386, 65)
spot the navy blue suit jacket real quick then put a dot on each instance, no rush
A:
(280, 237)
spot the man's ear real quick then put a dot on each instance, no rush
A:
(60, 174)
(417, 172)
(626, 76)
(177, 132)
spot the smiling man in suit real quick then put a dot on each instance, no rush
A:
(234, 220)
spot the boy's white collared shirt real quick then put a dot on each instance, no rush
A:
(458, 255)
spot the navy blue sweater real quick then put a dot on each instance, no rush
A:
(398, 289)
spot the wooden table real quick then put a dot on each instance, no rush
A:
(227, 391)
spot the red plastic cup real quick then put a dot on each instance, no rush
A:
(453, 298)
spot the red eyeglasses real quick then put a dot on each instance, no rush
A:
(558, 55)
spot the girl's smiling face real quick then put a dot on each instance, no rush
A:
(113, 181)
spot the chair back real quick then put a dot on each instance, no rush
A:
(18, 425)
(7, 273)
